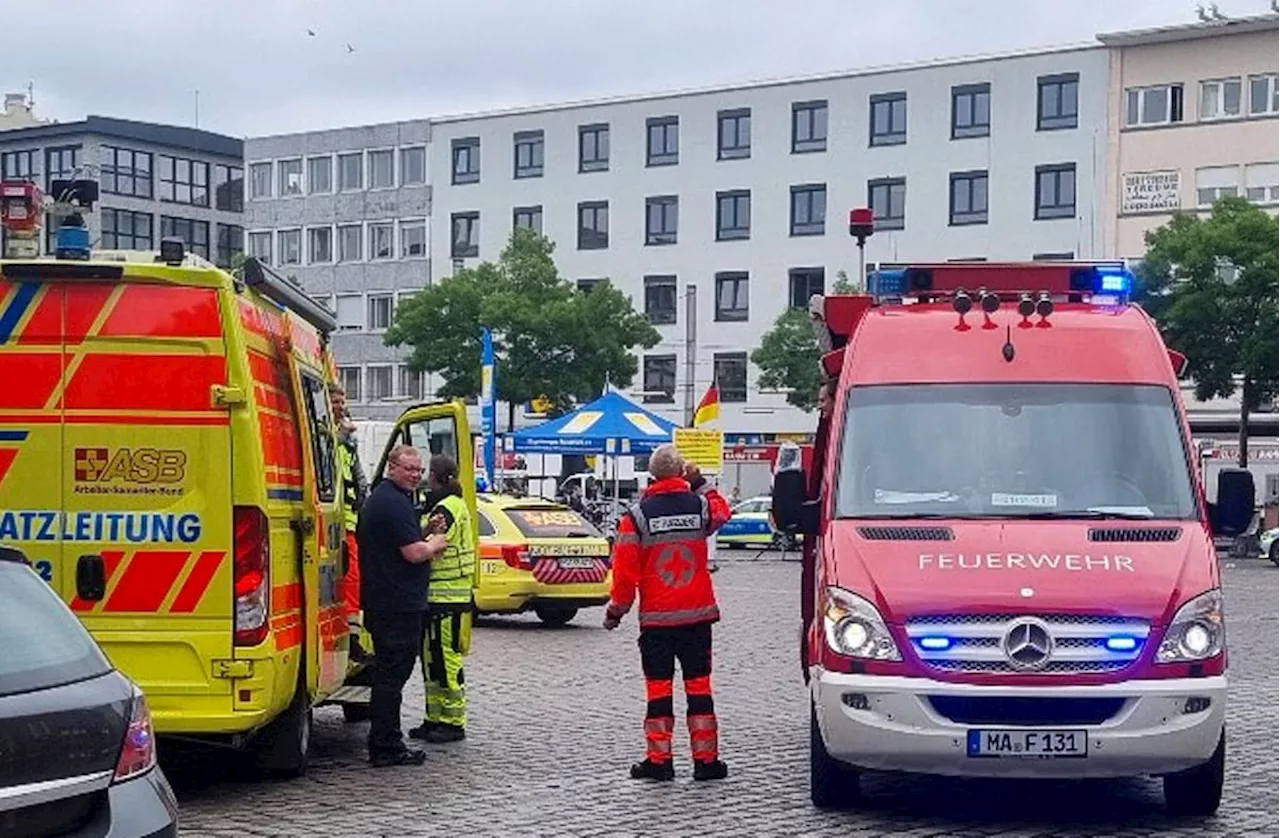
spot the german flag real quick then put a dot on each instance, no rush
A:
(709, 408)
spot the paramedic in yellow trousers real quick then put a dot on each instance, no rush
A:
(449, 607)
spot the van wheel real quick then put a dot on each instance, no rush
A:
(555, 615)
(832, 784)
(1198, 790)
(282, 749)
(353, 712)
(1274, 552)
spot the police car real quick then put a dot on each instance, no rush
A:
(1267, 544)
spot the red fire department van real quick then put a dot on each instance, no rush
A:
(1011, 567)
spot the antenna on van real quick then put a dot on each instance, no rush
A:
(1007, 350)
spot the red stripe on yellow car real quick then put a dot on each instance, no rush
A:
(286, 597)
(41, 372)
(112, 559)
(121, 417)
(145, 382)
(86, 305)
(44, 325)
(164, 311)
(193, 590)
(146, 581)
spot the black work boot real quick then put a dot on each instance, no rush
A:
(649, 770)
(422, 731)
(712, 770)
(389, 759)
(440, 733)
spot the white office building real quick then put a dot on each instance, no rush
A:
(727, 205)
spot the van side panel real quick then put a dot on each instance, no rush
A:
(146, 484)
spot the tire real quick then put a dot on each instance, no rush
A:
(1274, 553)
(282, 749)
(832, 784)
(353, 712)
(1198, 791)
(555, 615)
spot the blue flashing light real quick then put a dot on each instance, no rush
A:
(72, 241)
(1122, 643)
(1110, 280)
(891, 283)
(935, 644)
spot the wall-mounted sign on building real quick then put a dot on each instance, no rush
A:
(1151, 192)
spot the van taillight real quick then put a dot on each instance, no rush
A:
(517, 556)
(252, 575)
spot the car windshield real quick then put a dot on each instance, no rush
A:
(551, 522)
(44, 644)
(1013, 450)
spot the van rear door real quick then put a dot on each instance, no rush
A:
(146, 485)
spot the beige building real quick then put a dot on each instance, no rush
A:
(1192, 117)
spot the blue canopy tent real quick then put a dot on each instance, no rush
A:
(612, 424)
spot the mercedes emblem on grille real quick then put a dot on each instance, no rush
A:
(1028, 644)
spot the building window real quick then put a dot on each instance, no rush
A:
(379, 312)
(124, 230)
(466, 235)
(734, 134)
(662, 219)
(528, 218)
(1220, 99)
(804, 283)
(889, 118)
(660, 299)
(413, 239)
(382, 169)
(413, 166)
(319, 175)
(663, 140)
(185, 181)
(1056, 191)
(60, 164)
(350, 172)
(733, 215)
(351, 379)
(968, 198)
(259, 180)
(971, 111)
(260, 247)
(126, 172)
(808, 126)
(660, 379)
(228, 188)
(230, 245)
(1158, 105)
(350, 240)
(320, 245)
(290, 247)
(350, 312)
(18, 165)
(887, 198)
(195, 234)
(529, 151)
(412, 384)
(380, 382)
(1262, 182)
(593, 225)
(809, 209)
(1214, 182)
(1058, 102)
(466, 160)
(1264, 96)
(586, 286)
(731, 376)
(1057, 256)
(732, 302)
(290, 177)
(593, 148)
(382, 243)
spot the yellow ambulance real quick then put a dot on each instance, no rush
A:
(167, 463)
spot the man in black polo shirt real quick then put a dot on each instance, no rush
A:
(394, 569)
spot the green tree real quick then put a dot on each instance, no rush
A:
(551, 340)
(1211, 283)
(788, 355)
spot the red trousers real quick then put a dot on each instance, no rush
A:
(351, 582)
(660, 648)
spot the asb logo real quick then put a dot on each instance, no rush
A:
(144, 466)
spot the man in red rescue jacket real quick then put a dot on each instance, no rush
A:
(661, 549)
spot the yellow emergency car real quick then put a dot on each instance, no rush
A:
(540, 556)
(167, 462)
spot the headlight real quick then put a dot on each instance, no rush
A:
(855, 628)
(1197, 631)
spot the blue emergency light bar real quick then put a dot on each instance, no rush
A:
(1070, 279)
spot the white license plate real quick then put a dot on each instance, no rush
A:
(577, 562)
(1028, 743)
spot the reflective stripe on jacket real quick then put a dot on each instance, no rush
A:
(661, 551)
(354, 489)
(453, 571)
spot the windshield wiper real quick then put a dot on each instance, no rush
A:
(1089, 515)
(928, 516)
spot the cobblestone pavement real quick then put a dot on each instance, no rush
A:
(555, 721)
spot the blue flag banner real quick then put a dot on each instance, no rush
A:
(488, 407)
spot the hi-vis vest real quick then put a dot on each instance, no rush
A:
(350, 491)
(453, 571)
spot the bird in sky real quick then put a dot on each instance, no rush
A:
(350, 48)
(311, 32)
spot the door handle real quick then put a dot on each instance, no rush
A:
(91, 577)
(304, 526)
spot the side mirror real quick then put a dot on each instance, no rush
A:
(1235, 503)
(793, 512)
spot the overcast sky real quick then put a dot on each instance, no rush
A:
(259, 72)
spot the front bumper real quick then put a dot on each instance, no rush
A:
(900, 729)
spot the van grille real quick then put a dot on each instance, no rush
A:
(1023, 710)
(1144, 534)
(906, 533)
(1077, 643)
